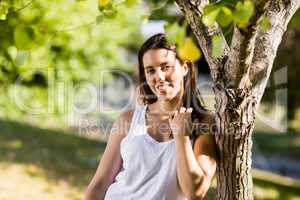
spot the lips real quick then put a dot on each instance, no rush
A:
(163, 87)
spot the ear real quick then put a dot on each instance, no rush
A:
(185, 67)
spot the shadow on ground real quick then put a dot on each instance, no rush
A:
(62, 156)
(71, 158)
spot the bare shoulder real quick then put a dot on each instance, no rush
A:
(122, 123)
(127, 115)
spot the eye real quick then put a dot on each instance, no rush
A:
(150, 71)
(167, 67)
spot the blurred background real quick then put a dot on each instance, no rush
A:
(68, 68)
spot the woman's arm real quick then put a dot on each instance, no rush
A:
(195, 166)
(111, 161)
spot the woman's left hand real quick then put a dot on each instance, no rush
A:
(181, 122)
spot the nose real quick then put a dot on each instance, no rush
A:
(160, 75)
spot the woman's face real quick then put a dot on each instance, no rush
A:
(164, 73)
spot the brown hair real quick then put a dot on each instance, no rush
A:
(191, 97)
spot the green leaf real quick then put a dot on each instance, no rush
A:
(12, 52)
(102, 6)
(228, 2)
(130, 3)
(110, 13)
(210, 14)
(210, 8)
(218, 46)
(99, 18)
(103, 3)
(265, 24)
(243, 12)
(3, 9)
(226, 10)
(21, 58)
(175, 34)
(24, 37)
(145, 18)
(225, 16)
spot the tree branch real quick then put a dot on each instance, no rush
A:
(193, 11)
(25, 6)
(242, 48)
(279, 13)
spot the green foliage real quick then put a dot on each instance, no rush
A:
(265, 24)
(63, 41)
(130, 3)
(103, 3)
(224, 13)
(24, 37)
(210, 15)
(73, 40)
(3, 9)
(243, 12)
(186, 47)
(217, 46)
(64, 35)
(225, 16)
(175, 33)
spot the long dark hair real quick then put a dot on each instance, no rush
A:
(191, 97)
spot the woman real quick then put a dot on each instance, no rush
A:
(154, 152)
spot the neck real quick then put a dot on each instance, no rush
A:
(168, 106)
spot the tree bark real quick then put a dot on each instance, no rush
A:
(235, 114)
(240, 76)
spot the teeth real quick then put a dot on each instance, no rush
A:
(163, 86)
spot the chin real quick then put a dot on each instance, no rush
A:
(166, 97)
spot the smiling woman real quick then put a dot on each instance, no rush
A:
(160, 154)
(163, 73)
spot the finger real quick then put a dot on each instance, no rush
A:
(189, 110)
(175, 113)
(182, 110)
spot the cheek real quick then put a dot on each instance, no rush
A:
(149, 80)
(176, 79)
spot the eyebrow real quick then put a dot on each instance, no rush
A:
(161, 64)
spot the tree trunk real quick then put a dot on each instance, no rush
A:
(235, 117)
(240, 76)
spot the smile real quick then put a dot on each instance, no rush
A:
(163, 87)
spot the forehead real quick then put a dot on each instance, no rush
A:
(155, 57)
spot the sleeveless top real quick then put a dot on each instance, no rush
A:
(149, 167)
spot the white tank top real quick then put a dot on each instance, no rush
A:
(149, 167)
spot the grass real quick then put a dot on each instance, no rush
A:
(31, 157)
(46, 164)
(282, 144)
(268, 186)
